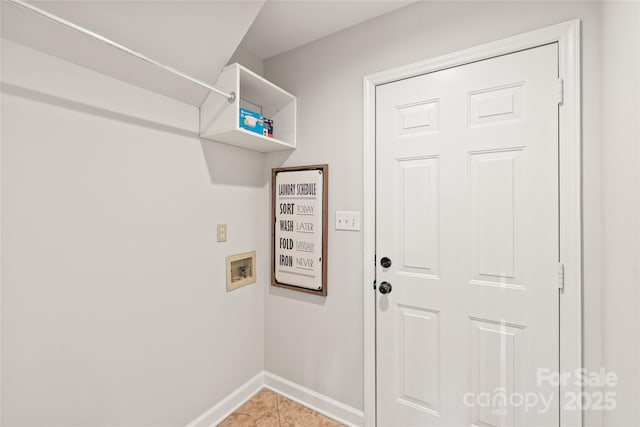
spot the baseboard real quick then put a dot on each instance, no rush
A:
(314, 400)
(230, 403)
(307, 397)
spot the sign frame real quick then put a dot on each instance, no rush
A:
(324, 169)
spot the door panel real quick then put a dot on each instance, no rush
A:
(467, 209)
(492, 201)
(418, 185)
(419, 361)
(496, 354)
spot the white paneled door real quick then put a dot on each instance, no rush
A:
(467, 244)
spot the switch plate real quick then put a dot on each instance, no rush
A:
(222, 232)
(348, 220)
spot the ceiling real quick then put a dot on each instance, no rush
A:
(197, 37)
(175, 33)
(284, 25)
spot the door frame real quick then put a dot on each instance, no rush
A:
(568, 37)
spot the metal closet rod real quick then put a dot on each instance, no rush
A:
(231, 97)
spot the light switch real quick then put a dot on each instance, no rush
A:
(348, 220)
(222, 232)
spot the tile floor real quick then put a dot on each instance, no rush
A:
(269, 409)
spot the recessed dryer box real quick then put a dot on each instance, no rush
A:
(241, 270)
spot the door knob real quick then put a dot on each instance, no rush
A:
(385, 262)
(385, 288)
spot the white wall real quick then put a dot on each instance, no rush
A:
(318, 343)
(620, 190)
(248, 59)
(114, 308)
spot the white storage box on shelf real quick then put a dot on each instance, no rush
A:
(220, 119)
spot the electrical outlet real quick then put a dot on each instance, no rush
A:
(222, 232)
(348, 220)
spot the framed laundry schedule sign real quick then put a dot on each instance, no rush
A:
(299, 234)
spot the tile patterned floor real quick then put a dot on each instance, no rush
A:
(269, 409)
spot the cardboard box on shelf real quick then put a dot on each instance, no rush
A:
(268, 128)
(251, 121)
